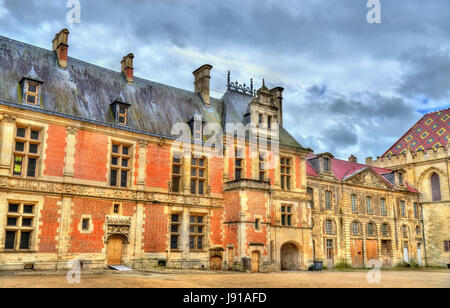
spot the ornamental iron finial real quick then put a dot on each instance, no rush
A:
(241, 88)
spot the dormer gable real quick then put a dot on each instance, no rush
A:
(119, 108)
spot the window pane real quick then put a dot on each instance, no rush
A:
(175, 218)
(124, 162)
(192, 242)
(113, 178)
(191, 229)
(25, 240)
(174, 242)
(13, 208)
(20, 146)
(200, 242)
(32, 88)
(21, 132)
(200, 219)
(199, 229)
(124, 179)
(283, 220)
(12, 221)
(125, 150)
(10, 239)
(114, 161)
(26, 222)
(31, 172)
(18, 165)
(122, 120)
(33, 148)
(192, 219)
(289, 220)
(174, 228)
(176, 169)
(175, 184)
(28, 209)
(115, 148)
(201, 185)
(31, 99)
(34, 134)
(193, 188)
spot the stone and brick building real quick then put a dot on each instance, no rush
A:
(423, 154)
(91, 169)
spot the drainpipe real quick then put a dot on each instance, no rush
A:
(423, 236)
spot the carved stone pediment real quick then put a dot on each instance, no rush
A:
(367, 178)
(118, 226)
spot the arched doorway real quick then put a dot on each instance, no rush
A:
(114, 250)
(290, 255)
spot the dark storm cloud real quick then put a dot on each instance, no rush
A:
(350, 87)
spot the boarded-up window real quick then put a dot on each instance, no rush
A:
(436, 187)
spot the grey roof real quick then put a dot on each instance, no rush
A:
(85, 90)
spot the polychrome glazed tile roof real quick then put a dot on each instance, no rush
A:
(432, 131)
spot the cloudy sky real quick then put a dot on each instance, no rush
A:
(350, 87)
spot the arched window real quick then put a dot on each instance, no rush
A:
(435, 187)
(405, 231)
(356, 228)
(417, 230)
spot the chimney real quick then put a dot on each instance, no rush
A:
(61, 47)
(202, 77)
(277, 94)
(353, 159)
(127, 67)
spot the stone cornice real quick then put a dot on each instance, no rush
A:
(133, 195)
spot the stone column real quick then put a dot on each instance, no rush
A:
(69, 160)
(64, 232)
(7, 143)
(138, 239)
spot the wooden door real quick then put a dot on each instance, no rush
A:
(372, 250)
(216, 263)
(330, 253)
(255, 261)
(357, 253)
(386, 253)
(114, 251)
(231, 258)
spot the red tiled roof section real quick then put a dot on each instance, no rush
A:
(342, 169)
(431, 131)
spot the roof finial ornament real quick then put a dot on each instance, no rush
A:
(251, 85)
(264, 83)
(228, 79)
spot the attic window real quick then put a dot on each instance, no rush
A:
(326, 164)
(122, 114)
(31, 93)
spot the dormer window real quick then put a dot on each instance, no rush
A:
(196, 125)
(119, 109)
(31, 85)
(400, 178)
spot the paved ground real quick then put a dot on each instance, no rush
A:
(353, 279)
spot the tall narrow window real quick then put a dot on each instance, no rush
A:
(435, 187)
(369, 205)
(285, 172)
(355, 228)
(19, 226)
(26, 151)
(310, 193)
(326, 164)
(175, 222)
(329, 227)
(416, 210)
(269, 122)
(354, 203)
(196, 233)
(238, 164)
(31, 93)
(262, 166)
(177, 172)
(85, 224)
(383, 206)
(120, 165)
(400, 178)
(385, 230)
(122, 115)
(403, 208)
(405, 231)
(371, 229)
(446, 246)
(198, 176)
(328, 204)
(257, 224)
(286, 215)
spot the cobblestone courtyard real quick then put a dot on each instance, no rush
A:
(340, 279)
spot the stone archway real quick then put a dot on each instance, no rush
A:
(290, 257)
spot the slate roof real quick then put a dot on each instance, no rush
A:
(431, 131)
(85, 91)
(343, 170)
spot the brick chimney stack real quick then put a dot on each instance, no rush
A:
(202, 78)
(353, 159)
(61, 47)
(127, 67)
(277, 94)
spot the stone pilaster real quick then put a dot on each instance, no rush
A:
(69, 160)
(7, 137)
(142, 164)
